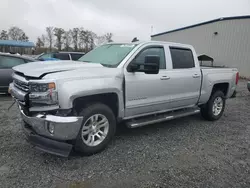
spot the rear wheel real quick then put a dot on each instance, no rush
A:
(98, 128)
(215, 106)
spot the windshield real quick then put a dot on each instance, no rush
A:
(109, 55)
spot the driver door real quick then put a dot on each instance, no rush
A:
(144, 93)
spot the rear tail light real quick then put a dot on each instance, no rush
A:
(237, 78)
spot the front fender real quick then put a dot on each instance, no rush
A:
(69, 90)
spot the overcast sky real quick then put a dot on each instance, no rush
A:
(125, 19)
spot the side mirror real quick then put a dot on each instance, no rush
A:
(151, 65)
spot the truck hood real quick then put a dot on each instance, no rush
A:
(41, 68)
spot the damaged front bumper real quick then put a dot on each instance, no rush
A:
(38, 132)
(47, 132)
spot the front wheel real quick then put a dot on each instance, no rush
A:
(98, 128)
(215, 106)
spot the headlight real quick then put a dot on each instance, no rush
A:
(35, 87)
(43, 93)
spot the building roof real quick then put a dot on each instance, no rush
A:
(15, 43)
(204, 23)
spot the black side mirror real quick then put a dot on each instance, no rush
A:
(152, 64)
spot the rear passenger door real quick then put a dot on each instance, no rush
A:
(6, 64)
(185, 78)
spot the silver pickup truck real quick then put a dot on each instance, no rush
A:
(78, 105)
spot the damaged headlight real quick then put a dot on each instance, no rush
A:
(41, 87)
(44, 93)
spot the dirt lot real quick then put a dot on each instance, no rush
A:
(187, 152)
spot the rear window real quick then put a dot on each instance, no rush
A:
(62, 56)
(182, 58)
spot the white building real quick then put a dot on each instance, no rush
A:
(227, 40)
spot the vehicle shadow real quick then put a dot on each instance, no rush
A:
(5, 97)
(135, 134)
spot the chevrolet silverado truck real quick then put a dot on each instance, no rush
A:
(78, 104)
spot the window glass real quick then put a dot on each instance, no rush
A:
(62, 56)
(9, 62)
(159, 51)
(109, 55)
(76, 56)
(182, 58)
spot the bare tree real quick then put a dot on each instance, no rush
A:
(92, 39)
(87, 40)
(15, 33)
(108, 37)
(50, 36)
(100, 40)
(59, 32)
(67, 40)
(39, 43)
(24, 37)
(75, 37)
(43, 39)
(4, 35)
(79, 38)
(82, 38)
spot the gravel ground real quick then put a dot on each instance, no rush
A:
(187, 152)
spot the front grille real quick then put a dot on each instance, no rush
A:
(21, 85)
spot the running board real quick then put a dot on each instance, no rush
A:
(161, 117)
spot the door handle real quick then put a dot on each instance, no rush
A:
(165, 78)
(196, 76)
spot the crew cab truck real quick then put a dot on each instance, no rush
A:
(66, 105)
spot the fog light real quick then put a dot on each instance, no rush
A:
(51, 128)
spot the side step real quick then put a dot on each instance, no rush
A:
(139, 122)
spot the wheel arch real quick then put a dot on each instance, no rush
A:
(110, 99)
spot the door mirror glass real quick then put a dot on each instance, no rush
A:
(150, 65)
(149, 60)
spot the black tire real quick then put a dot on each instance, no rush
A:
(207, 109)
(86, 113)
